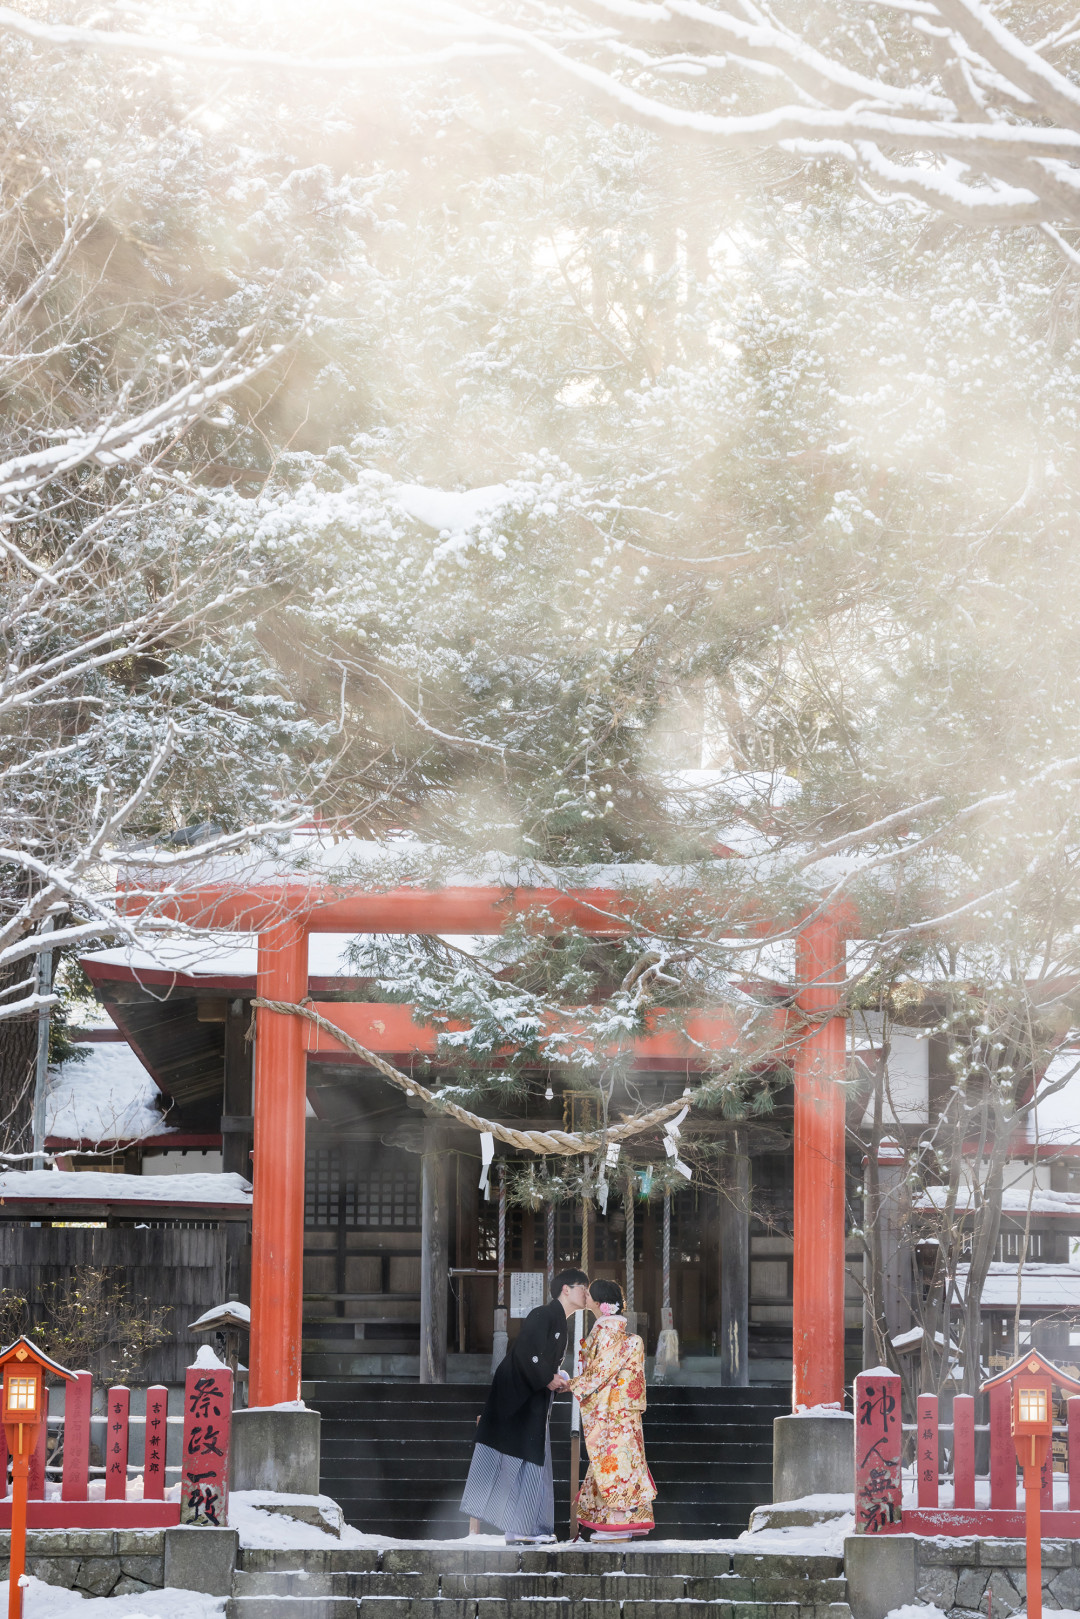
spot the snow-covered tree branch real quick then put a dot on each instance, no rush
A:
(937, 102)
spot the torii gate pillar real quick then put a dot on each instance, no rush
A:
(818, 1276)
(277, 1214)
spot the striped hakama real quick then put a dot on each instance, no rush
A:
(515, 1496)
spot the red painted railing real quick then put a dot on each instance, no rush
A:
(980, 1506)
(202, 1475)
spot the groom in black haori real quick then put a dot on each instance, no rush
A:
(510, 1483)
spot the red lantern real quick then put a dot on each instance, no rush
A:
(1031, 1381)
(25, 1406)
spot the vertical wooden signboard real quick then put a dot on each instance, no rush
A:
(157, 1415)
(926, 1449)
(204, 1490)
(878, 1445)
(117, 1406)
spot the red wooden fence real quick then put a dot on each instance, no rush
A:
(878, 1468)
(202, 1474)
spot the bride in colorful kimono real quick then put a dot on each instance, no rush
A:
(617, 1496)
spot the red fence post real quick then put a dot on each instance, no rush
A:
(204, 1479)
(1046, 1480)
(878, 1452)
(35, 1488)
(116, 1443)
(963, 1416)
(157, 1432)
(4, 1459)
(77, 1400)
(1002, 1450)
(927, 1449)
(1072, 1408)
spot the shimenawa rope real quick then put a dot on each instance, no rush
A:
(563, 1142)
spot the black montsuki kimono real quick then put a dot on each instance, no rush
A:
(509, 1481)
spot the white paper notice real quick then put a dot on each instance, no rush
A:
(526, 1292)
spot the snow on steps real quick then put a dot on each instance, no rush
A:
(641, 1582)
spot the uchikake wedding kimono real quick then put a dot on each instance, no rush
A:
(618, 1492)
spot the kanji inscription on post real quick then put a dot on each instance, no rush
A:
(117, 1407)
(878, 1447)
(204, 1480)
(157, 1416)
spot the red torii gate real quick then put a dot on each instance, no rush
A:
(285, 911)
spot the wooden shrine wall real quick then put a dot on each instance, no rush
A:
(186, 1267)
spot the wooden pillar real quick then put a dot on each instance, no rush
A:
(818, 1284)
(277, 1216)
(434, 1254)
(735, 1265)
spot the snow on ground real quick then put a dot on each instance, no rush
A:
(815, 1540)
(269, 1530)
(927, 1610)
(42, 1601)
(90, 1186)
(106, 1095)
(275, 1529)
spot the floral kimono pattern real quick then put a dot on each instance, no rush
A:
(618, 1491)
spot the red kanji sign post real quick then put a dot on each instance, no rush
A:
(157, 1416)
(25, 1414)
(926, 1449)
(878, 1445)
(117, 1407)
(204, 1478)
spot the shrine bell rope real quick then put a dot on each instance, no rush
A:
(542, 1141)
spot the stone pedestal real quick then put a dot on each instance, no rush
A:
(813, 1456)
(200, 1559)
(880, 1573)
(276, 1450)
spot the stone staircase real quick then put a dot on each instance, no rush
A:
(641, 1582)
(395, 1455)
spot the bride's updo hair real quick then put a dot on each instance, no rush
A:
(602, 1292)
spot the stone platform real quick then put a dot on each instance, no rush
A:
(571, 1582)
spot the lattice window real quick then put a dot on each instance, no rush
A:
(344, 1187)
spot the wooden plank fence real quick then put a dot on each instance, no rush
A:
(203, 1472)
(879, 1507)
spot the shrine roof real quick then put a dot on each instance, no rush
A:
(1014, 1200)
(103, 1094)
(1043, 1287)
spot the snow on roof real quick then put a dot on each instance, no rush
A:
(222, 1315)
(1058, 1122)
(220, 955)
(1054, 1287)
(105, 1096)
(88, 1186)
(912, 1338)
(313, 858)
(1014, 1200)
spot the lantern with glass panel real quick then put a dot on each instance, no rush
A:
(1031, 1382)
